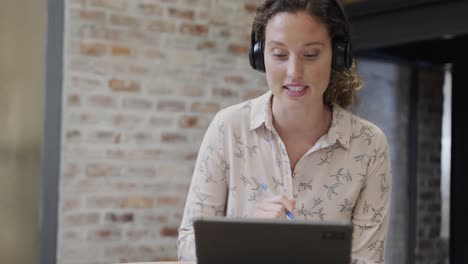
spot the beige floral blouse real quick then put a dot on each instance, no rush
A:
(346, 175)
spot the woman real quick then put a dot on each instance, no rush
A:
(320, 161)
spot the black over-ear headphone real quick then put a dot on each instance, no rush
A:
(342, 57)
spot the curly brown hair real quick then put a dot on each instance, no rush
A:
(344, 83)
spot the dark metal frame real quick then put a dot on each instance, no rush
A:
(430, 21)
(413, 164)
(52, 133)
(375, 7)
(458, 179)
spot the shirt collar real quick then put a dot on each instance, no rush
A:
(261, 112)
(339, 128)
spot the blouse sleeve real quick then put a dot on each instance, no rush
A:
(208, 189)
(371, 212)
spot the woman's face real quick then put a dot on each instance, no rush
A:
(298, 57)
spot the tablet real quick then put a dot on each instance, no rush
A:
(258, 241)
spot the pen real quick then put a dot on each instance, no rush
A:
(289, 215)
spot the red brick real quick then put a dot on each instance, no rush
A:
(110, 137)
(181, 13)
(73, 236)
(73, 135)
(116, 154)
(78, 3)
(102, 170)
(151, 154)
(205, 107)
(168, 201)
(126, 120)
(123, 187)
(207, 45)
(137, 202)
(83, 252)
(150, 9)
(92, 16)
(137, 103)
(155, 54)
(144, 172)
(193, 90)
(155, 219)
(194, 29)
(226, 33)
(83, 83)
(191, 156)
(83, 118)
(118, 50)
(119, 5)
(139, 138)
(122, 218)
(70, 204)
(159, 121)
(171, 106)
(160, 88)
(238, 49)
(203, 15)
(162, 26)
(73, 100)
(169, 232)
(139, 70)
(118, 85)
(93, 49)
(126, 21)
(173, 138)
(217, 20)
(71, 170)
(235, 79)
(224, 93)
(137, 234)
(103, 202)
(250, 8)
(192, 122)
(81, 219)
(102, 235)
(102, 101)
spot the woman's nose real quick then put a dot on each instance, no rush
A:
(295, 69)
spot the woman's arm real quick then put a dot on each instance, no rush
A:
(371, 212)
(208, 190)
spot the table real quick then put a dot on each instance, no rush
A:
(163, 262)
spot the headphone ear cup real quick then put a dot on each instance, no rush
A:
(252, 56)
(339, 50)
(348, 56)
(342, 58)
(257, 57)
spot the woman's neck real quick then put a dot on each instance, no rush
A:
(312, 122)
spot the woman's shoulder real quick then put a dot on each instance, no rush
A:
(235, 112)
(241, 114)
(372, 134)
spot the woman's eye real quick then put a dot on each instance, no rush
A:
(279, 56)
(311, 55)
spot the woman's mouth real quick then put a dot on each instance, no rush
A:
(295, 90)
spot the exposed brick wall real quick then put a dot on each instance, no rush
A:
(142, 81)
(428, 216)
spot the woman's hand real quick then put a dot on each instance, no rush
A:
(274, 207)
